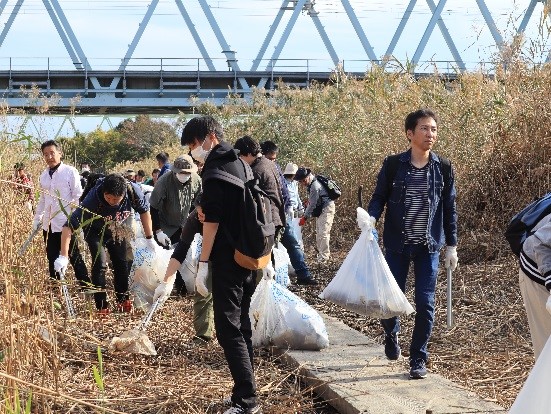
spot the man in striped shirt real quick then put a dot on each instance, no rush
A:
(418, 189)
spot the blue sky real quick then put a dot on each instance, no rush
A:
(105, 28)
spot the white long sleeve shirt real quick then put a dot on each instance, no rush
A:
(63, 185)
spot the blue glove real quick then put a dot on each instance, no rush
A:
(375, 235)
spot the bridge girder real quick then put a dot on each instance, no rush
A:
(119, 89)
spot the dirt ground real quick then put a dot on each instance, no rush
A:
(488, 351)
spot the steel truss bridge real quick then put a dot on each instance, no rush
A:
(161, 86)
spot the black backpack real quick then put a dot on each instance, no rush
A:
(521, 225)
(91, 181)
(330, 185)
(253, 247)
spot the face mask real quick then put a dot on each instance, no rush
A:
(199, 153)
(183, 178)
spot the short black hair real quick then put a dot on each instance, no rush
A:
(413, 118)
(247, 146)
(49, 143)
(155, 170)
(19, 166)
(269, 147)
(115, 184)
(141, 173)
(199, 127)
(162, 156)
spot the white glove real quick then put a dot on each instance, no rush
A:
(37, 223)
(268, 272)
(450, 259)
(162, 292)
(29, 205)
(151, 244)
(201, 279)
(163, 239)
(61, 263)
(371, 223)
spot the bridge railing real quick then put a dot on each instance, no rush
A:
(176, 64)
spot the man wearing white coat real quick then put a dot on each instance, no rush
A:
(59, 186)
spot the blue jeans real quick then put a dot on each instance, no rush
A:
(425, 269)
(296, 255)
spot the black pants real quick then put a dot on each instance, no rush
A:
(53, 248)
(179, 284)
(232, 288)
(121, 271)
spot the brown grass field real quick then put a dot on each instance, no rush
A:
(494, 130)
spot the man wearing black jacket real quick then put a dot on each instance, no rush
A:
(232, 285)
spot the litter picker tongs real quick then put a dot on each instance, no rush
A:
(65, 291)
(27, 242)
(147, 319)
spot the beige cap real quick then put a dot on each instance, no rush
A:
(290, 168)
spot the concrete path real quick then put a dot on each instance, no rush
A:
(354, 376)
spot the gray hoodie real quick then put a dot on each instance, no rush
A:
(535, 257)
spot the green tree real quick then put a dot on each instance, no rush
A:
(100, 149)
(142, 136)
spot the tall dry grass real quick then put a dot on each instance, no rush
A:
(494, 129)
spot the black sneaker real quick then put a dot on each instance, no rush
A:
(308, 281)
(392, 349)
(237, 409)
(418, 369)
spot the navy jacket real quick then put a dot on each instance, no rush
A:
(95, 203)
(442, 223)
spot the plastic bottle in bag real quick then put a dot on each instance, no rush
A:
(282, 263)
(364, 283)
(148, 270)
(188, 270)
(281, 318)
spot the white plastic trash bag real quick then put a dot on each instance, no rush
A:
(281, 318)
(282, 263)
(298, 231)
(364, 283)
(188, 270)
(533, 398)
(148, 270)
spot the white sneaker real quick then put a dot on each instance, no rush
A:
(241, 410)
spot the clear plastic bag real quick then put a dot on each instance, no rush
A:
(281, 318)
(533, 397)
(298, 232)
(282, 263)
(364, 283)
(188, 270)
(148, 270)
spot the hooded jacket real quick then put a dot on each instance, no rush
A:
(221, 200)
(535, 256)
